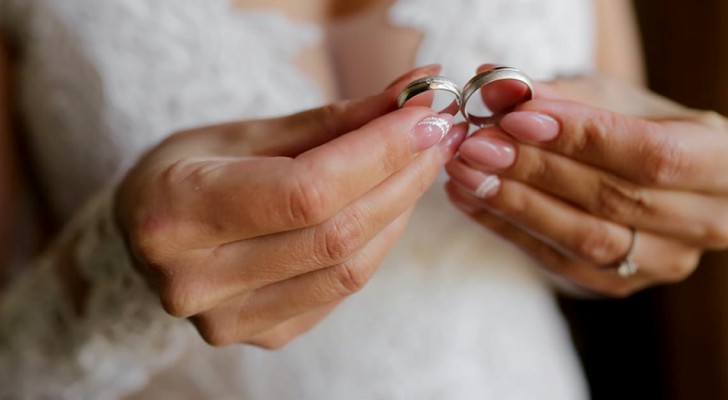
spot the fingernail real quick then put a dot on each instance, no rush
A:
(452, 141)
(533, 126)
(478, 183)
(430, 131)
(488, 152)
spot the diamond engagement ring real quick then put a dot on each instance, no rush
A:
(628, 266)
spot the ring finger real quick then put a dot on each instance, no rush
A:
(661, 260)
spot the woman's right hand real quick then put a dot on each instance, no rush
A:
(257, 230)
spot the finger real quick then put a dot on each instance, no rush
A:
(238, 199)
(681, 215)
(337, 239)
(572, 231)
(609, 93)
(280, 335)
(501, 96)
(247, 317)
(661, 261)
(246, 265)
(671, 154)
(292, 135)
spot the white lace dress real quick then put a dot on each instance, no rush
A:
(459, 315)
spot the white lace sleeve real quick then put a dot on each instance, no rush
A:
(121, 339)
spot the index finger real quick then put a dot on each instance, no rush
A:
(242, 198)
(671, 154)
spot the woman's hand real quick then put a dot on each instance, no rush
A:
(257, 230)
(565, 179)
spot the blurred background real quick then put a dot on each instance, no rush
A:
(668, 343)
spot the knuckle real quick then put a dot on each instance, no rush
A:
(595, 133)
(179, 171)
(307, 201)
(716, 235)
(350, 278)
(711, 119)
(537, 167)
(324, 117)
(620, 200)
(342, 236)
(212, 333)
(177, 298)
(392, 159)
(598, 245)
(275, 340)
(682, 267)
(664, 161)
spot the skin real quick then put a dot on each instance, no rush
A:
(206, 198)
(248, 194)
(620, 157)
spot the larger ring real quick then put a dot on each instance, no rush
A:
(432, 83)
(629, 266)
(486, 78)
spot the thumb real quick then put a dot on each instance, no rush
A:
(292, 135)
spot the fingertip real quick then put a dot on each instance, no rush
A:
(420, 72)
(487, 67)
(531, 126)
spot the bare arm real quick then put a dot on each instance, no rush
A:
(619, 52)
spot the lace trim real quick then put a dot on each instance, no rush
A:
(124, 336)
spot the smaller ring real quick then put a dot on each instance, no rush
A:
(428, 83)
(484, 79)
(628, 266)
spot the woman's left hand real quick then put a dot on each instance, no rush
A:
(566, 180)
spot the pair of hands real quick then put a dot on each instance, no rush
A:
(256, 230)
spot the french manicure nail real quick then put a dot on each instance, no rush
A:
(478, 183)
(531, 126)
(488, 186)
(488, 152)
(430, 131)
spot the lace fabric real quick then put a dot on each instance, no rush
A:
(102, 80)
(121, 339)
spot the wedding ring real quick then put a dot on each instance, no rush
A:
(486, 78)
(423, 85)
(477, 83)
(628, 266)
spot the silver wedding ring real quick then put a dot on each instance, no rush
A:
(426, 84)
(486, 78)
(628, 266)
(462, 98)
